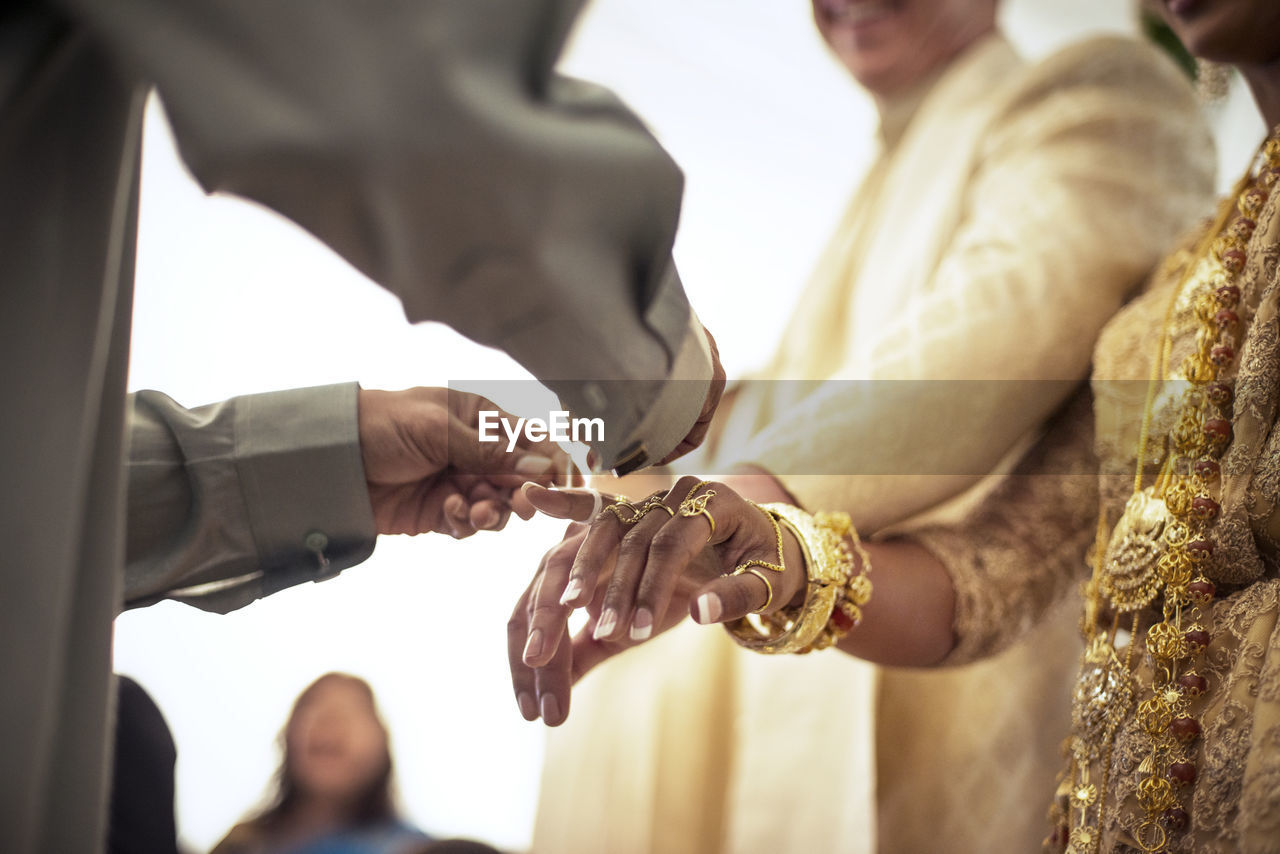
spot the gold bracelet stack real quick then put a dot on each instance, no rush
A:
(838, 587)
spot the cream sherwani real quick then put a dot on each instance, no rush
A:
(1010, 209)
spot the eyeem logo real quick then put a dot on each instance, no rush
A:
(558, 427)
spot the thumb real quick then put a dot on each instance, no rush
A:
(731, 597)
(581, 505)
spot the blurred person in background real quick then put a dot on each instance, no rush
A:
(334, 791)
(141, 814)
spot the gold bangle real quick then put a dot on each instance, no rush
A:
(834, 593)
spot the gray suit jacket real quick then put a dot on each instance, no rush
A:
(427, 142)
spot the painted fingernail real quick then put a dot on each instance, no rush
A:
(531, 464)
(533, 646)
(604, 628)
(488, 518)
(709, 608)
(550, 708)
(571, 592)
(528, 708)
(642, 625)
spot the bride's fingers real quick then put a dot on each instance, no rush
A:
(731, 597)
(548, 616)
(595, 559)
(655, 556)
(522, 680)
(553, 682)
(618, 620)
(581, 505)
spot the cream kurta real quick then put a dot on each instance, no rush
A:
(1010, 210)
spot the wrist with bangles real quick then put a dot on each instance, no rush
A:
(836, 566)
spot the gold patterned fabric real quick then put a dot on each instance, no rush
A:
(1026, 539)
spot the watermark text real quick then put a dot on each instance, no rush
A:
(558, 427)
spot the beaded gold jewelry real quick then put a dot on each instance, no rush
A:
(834, 594)
(779, 567)
(656, 503)
(1158, 551)
(617, 509)
(653, 502)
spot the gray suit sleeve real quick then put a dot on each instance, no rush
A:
(231, 502)
(433, 146)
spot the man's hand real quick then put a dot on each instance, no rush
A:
(715, 391)
(428, 471)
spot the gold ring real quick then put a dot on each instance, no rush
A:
(656, 503)
(691, 507)
(768, 588)
(649, 503)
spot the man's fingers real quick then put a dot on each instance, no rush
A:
(521, 506)
(543, 462)
(489, 510)
(457, 513)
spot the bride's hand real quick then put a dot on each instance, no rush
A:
(638, 578)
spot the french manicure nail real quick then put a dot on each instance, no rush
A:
(604, 628)
(550, 708)
(709, 608)
(642, 625)
(531, 464)
(528, 708)
(533, 646)
(571, 592)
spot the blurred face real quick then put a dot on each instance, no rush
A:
(890, 45)
(1241, 32)
(336, 745)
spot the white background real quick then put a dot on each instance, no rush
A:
(231, 300)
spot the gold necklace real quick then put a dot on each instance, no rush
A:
(1159, 549)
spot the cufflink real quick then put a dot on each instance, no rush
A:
(634, 457)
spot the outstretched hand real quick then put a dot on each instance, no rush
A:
(427, 470)
(638, 578)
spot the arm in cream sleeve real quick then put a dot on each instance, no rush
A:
(1083, 182)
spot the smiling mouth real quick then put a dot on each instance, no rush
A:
(857, 11)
